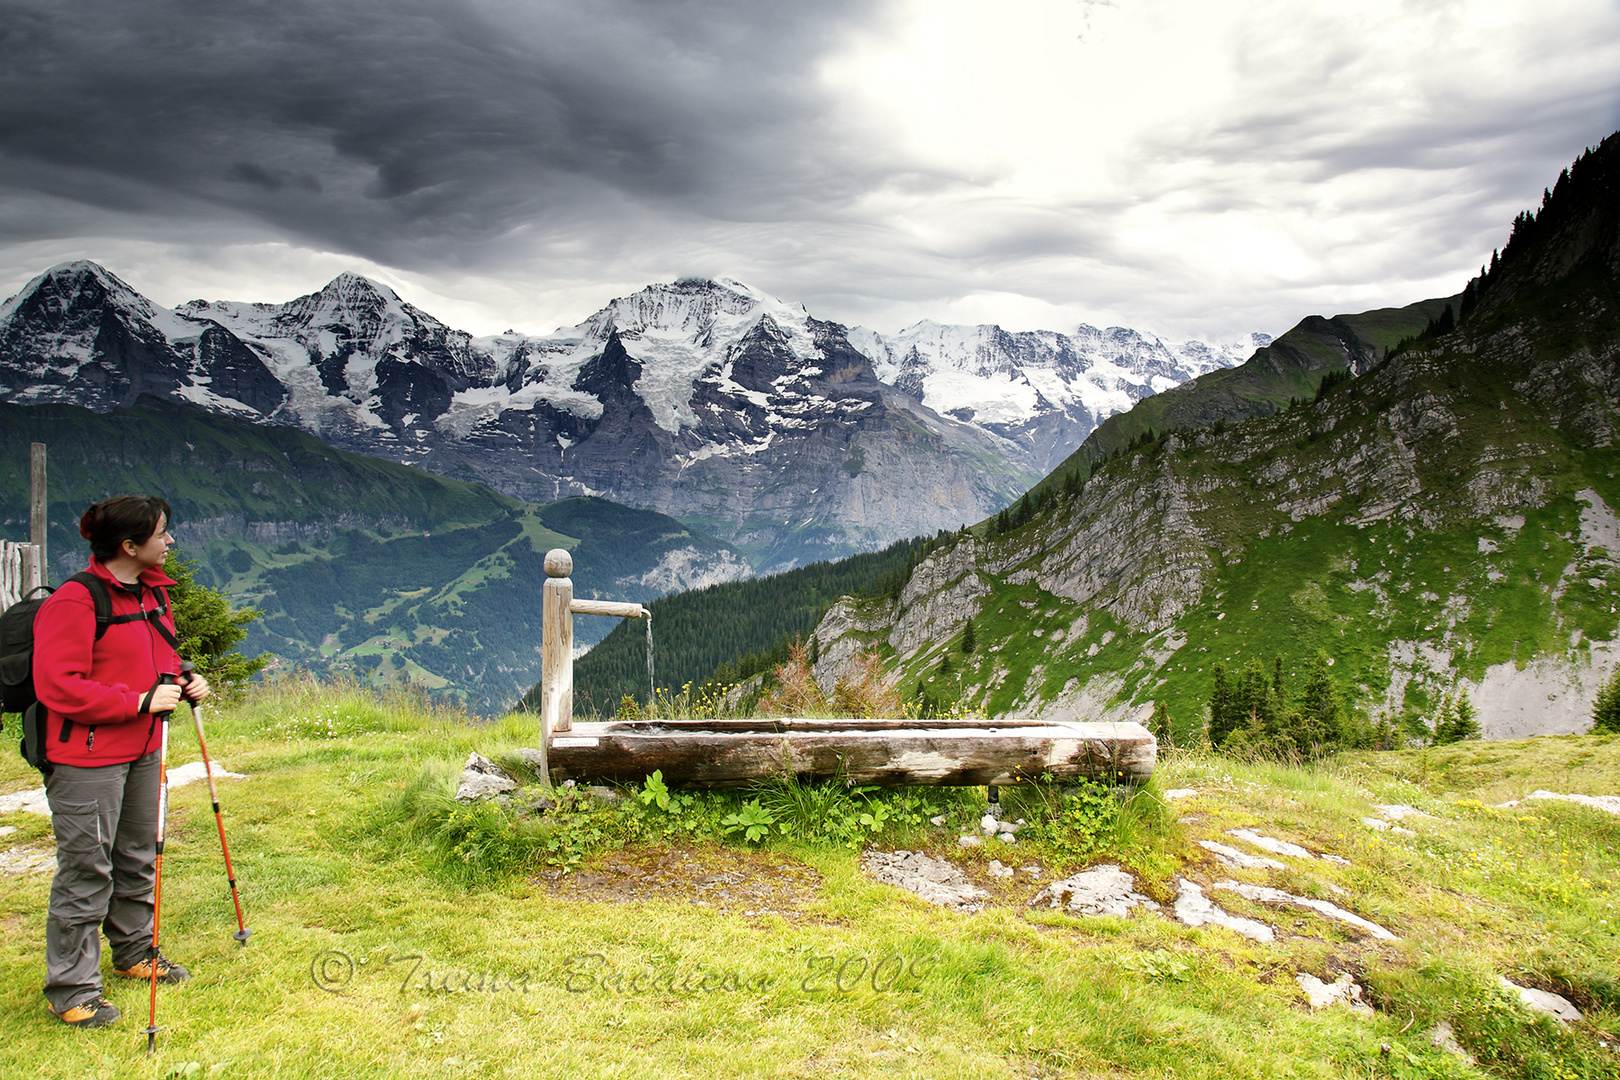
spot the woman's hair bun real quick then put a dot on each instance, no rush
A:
(87, 522)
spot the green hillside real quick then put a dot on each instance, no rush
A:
(378, 570)
(1291, 367)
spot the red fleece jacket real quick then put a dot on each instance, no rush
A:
(97, 686)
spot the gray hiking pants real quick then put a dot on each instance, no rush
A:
(105, 820)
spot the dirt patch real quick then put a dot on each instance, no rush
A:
(736, 882)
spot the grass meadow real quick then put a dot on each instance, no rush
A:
(678, 934)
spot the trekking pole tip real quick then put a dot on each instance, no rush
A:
(242, 935)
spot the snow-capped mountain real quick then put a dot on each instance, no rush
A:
(1040, 389)
(706, 400)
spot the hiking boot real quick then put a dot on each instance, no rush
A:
(167, 971)
(91, 1012)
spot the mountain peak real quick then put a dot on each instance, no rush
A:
(352, 287)
(65, 285)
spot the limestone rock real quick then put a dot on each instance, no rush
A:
(1443, 1038)
(1267, 895)
(1193, 908)
(1611, 803)
(1270, 843)
(1542, 1001)
(935, 880)
(26, 802)
(192, 772)
(481, 778)
(1230, 856)
(1101, 890)
(1342, 990)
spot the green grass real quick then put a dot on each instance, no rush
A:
(333, 839)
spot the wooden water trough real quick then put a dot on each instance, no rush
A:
(734, 753)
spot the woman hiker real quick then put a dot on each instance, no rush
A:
(105, 695)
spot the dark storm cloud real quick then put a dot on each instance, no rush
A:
(414, 133)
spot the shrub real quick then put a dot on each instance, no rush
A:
(209, 629)
(1606, 709)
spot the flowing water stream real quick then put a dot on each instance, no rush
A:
(652, 691)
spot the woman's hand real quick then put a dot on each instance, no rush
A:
(162, 699)
(196, 687)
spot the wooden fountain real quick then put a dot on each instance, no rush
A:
(735, 753)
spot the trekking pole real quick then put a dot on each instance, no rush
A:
(242, 931)
(166, 679)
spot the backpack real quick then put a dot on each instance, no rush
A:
(17, 656)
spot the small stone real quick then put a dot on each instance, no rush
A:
(969, 841)
(1009, 826)
(997, 869)
(1398, 811)
(988, 825)
(604, 795)
(1342, 991)
(7, 830)
(1443, 1038)
(1007, 838)
(481, 778)
(937, 821)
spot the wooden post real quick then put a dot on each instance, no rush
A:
(33, 568)
(557, 644)
(36, 504)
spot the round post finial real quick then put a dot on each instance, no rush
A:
(559, 563)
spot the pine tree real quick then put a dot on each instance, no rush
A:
(1606, 709)
(1445, 719)
(969, 641)
(1464, 723)
(1321, 717)
(1161, 726)
(1223, 714)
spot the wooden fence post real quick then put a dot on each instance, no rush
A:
(36, 505)
(557, 651)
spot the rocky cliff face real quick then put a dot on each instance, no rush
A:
(706, 400)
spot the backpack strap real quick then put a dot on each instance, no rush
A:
(101, 598)
(105, 617)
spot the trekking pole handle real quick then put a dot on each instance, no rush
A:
(168, 678)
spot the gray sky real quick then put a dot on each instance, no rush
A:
(1190, 167)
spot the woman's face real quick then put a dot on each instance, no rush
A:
(154, 549)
